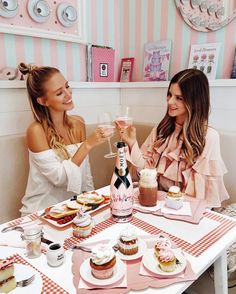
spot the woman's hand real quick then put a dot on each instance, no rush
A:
(99, 136)
(128, 135)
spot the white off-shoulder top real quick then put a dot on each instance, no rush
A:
(52, 180)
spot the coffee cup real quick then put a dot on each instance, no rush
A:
(55, 254)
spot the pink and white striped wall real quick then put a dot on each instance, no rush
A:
(125, 25)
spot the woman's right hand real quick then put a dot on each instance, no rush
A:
(128, 135)
(99, 136)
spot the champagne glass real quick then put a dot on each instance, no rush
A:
(124, 120)
(105, 123)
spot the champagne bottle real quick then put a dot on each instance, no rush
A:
(121, 188)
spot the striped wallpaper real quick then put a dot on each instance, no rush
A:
(125, 25)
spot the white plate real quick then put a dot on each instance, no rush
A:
(86, 274)
(151, 263)
(54, 222)
(23, 272)
(141, 248)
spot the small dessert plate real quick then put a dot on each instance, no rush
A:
(86, 274)
(23, 272)
(151, 263)
(141, 249)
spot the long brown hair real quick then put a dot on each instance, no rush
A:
(194, 86)
(36, 79)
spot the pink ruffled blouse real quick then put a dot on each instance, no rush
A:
(203, 179)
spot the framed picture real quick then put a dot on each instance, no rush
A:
(126, 69)
(205, 58)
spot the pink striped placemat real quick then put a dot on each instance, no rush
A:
(49, 286)
(28, 218)
(194, 249)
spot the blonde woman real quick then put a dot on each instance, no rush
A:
(183, 148)
(57, 143)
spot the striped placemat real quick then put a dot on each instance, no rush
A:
(49, 286)
(194, 249)
(200, 245)
(29, 218)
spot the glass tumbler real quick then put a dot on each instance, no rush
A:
(32, 237)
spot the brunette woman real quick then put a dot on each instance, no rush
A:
(183, 148)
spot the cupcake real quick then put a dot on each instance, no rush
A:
(82, 224)
(174, 198)
(162, 242)
(102, 262)
(128, 242)
(167, 260)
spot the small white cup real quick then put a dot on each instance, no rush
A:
(55, 254)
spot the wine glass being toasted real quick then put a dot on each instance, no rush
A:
(124, 119)
(105, 123)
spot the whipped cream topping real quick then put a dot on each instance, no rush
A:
(102, 254)
(148, 178)
(174, 189)
(128, 234)
(162, 241)
(82, 219)
(166, 255)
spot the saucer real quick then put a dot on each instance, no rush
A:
(151, 263)
(86, 274)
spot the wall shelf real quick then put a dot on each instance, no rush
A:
(111, 85)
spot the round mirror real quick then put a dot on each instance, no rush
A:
(207, 15)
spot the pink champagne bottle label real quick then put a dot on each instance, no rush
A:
(121, 189)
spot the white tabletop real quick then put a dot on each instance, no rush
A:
(188, 232)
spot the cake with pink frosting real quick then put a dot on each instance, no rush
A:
(162, 242)
(102, 262)
(82, 224)
(128, 241)
(167, 260)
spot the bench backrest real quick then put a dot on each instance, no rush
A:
(14, 167)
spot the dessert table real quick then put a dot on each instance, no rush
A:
(203, 244)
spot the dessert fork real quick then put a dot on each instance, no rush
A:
(26, 282)
(85, 248)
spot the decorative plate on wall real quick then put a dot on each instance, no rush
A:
(66, 14)
(39, 10)
(9, 8)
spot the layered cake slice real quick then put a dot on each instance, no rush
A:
(7, 279)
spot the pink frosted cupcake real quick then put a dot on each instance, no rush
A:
(102, 262)
(162, 242)
(82, 224)
(167, 260)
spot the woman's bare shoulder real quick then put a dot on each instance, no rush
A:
(36, 138)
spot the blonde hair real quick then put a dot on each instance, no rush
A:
(194, 86)
(36, 79)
